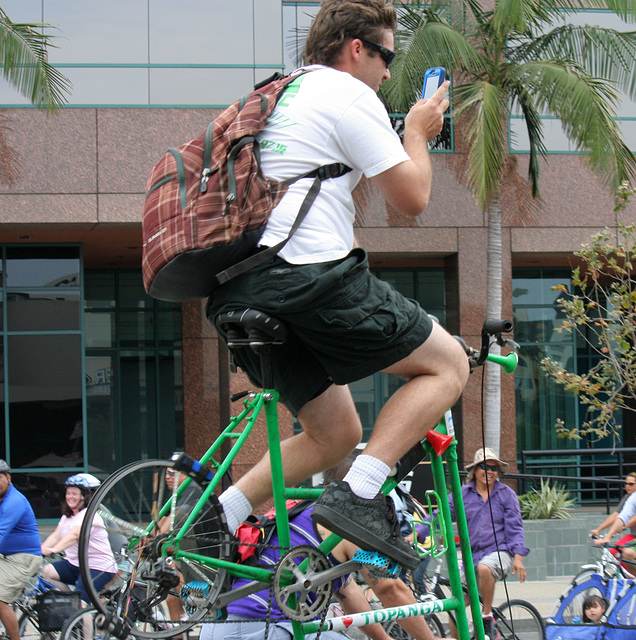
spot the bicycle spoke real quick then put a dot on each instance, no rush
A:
(518, 620)
(158, 592)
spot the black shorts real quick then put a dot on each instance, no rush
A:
(345, 323)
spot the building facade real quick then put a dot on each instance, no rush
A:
(96, 373)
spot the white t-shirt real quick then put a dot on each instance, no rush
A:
(100, 555)
(325, 116)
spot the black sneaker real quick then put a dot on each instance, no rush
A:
(490, 629)
(370, 524)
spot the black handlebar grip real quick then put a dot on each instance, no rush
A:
(494, 327)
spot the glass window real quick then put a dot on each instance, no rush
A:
(102, 32)
(134, 385)
(193, 32)
(539, 401)
(185, 86)
(42, 267)
(47, 310)
(99, 290)
(100, 412)
(45, 400)
(108, 85)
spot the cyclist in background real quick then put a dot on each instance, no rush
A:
(79, 490)
(630, 487)
(20, 556)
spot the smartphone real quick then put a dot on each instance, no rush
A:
(433, 78)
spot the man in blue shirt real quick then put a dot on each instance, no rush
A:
(20, 553)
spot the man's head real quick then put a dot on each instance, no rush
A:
(338, 22)
(5, 477)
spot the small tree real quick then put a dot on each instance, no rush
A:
(601, 310)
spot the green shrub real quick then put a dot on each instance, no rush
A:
(546, 503)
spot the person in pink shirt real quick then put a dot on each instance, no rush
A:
(66, 572)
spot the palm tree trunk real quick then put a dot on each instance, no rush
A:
(494, 272)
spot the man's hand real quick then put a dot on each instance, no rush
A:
(518, 568)
(599, 542)
(427, 116)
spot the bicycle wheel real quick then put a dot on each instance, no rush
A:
(161, 593)
(394, 630)
(29, 628)
(518, 620)
(81, 626)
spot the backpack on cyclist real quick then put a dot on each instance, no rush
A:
(258, 530)
(207, 202)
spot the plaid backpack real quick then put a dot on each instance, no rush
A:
(207, 202)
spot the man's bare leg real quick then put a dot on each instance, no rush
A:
(331, 430)
(486, 582)
(9, 620)
(437, 372)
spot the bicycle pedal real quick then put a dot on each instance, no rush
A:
(379, 565)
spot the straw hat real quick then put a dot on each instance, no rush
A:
(484, 453)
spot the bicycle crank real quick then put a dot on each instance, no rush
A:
(297, 593)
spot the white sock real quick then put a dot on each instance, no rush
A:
(366, 476)
(236, 507)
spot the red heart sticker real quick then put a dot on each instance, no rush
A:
(347, 621)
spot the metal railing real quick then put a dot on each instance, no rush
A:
(596, 476)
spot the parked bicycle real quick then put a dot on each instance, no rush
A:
(176, 538)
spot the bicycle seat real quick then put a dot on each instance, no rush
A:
(250, 327)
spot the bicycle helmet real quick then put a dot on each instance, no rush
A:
(83, 481)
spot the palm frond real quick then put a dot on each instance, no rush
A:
(603, 52)
(586, 107)
(23, 56)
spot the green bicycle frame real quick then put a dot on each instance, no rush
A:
(236, 434)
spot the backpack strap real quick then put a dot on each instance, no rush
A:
(325, 172)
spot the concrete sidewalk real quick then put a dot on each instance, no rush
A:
(543, 595)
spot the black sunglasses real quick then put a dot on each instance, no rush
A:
(490, 467)
(386, 54)
(630, 484)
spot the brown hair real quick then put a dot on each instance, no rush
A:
(339, 21)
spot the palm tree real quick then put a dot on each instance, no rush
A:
(23, 59)
(519, 57)
(23, 56)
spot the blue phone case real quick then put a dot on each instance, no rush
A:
(433, 78)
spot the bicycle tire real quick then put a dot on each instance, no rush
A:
(74, 627)
(152, 580)
(29, 628)
(519, 620)
(394, 630)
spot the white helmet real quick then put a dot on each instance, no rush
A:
(85, 480)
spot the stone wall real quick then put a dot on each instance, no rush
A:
(559, 547)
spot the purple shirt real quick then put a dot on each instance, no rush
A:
(506, 515)
(302, 531)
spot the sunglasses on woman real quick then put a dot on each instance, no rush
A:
(490, 467)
